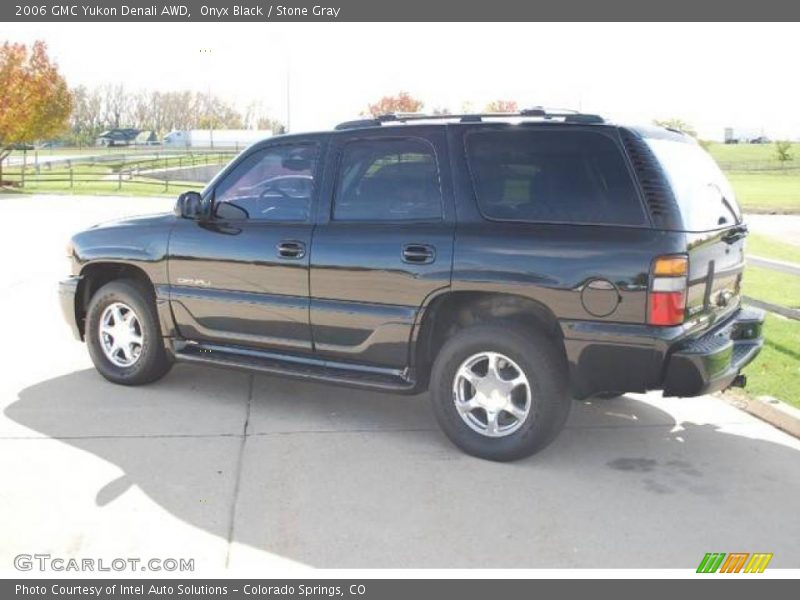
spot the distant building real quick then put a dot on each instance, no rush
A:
(117, 137)
(147, 137)
(215, 138)
(736, 135)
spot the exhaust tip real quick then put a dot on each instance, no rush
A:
(739, 381)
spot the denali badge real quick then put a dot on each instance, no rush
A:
(190, 281)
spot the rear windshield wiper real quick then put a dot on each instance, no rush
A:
(730, 208)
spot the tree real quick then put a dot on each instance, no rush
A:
(84, 122)
(403, 102)
(677, 125)
(273, 125)
(502, 106)
(783, 152)
(35, 102)
(116, 105)
(257, 117)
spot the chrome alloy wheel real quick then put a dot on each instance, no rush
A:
(121, 334)
(492, 394)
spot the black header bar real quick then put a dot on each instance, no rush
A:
(397, 10)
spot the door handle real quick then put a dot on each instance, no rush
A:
(291, 249)
(419, 254)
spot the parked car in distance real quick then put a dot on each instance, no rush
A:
(504, 264)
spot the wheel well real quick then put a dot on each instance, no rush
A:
(453, 311)
(95, 276)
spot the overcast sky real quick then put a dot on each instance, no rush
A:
(711, 75)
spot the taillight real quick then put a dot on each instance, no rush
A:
(666, 300)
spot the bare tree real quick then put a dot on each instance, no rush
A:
(141, 114)
(115, 105)
(111, 106)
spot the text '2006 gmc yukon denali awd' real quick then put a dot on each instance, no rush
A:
(505, 263)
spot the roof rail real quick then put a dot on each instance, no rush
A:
(568, 116)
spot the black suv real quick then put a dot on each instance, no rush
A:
(505, 263)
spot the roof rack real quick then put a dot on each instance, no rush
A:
(565, 115)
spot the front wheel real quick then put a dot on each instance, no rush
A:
(500, 394)
(123, 334)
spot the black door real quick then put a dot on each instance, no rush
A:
(241, 277)
(382, 245)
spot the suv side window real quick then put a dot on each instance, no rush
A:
(388, 179)
(552, 176)
(275, 183)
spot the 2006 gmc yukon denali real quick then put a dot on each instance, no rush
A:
(505, 263)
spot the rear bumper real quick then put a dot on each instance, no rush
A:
(628, 357)
(66, 296)
(711, 363)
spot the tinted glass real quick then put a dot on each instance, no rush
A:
(552, 176)
(705, 198)
(388, 180)
(273, 184)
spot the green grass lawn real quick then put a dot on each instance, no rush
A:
(772, 286)
(767, 247)
(770, 191)
(102, 177)
(776, 371)
(761, 182)
(93, 179)
(733, 156)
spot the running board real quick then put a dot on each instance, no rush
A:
(296, 367)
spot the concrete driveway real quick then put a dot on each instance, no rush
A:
(252, 472)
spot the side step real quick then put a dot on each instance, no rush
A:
(297, 367)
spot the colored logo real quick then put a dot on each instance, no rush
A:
(735, 562)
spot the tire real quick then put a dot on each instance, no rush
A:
(532, 354)
(151, 361)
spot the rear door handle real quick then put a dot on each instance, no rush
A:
(291, 249)
(419, 254)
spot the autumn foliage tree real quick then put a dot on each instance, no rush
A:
(35, 102)
(402, 102)
(502, 106)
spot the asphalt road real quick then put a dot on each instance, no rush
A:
(252, 472)
(783, 227)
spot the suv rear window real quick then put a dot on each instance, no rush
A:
(705, 198)
(552, 176)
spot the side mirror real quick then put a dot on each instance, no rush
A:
(189, 205)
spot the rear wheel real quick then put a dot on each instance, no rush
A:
(123, 335)
(500, 394)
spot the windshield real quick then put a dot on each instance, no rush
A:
(705, 198)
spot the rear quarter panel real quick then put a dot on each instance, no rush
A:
(553, 264)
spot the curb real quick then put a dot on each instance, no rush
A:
(771, 410)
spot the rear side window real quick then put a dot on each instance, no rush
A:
(388, 180)
(705, 198)
(552, 176)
